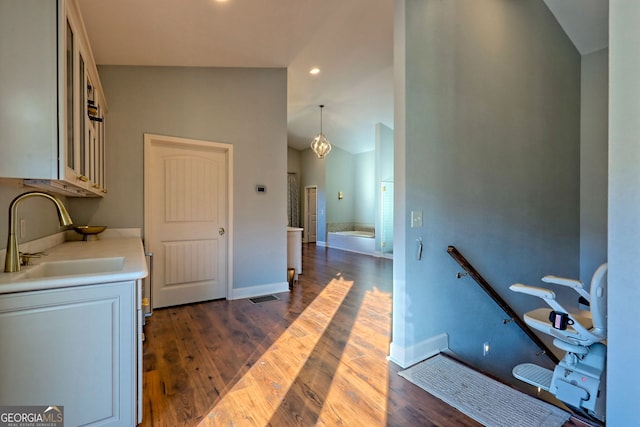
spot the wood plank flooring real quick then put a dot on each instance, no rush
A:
(317, 356)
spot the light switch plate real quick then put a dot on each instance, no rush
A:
(416, 219)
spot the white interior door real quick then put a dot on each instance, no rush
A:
(186, 196)
(310, 214)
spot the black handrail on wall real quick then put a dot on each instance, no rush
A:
(471, 271)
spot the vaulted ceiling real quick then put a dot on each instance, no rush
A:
(351, 41)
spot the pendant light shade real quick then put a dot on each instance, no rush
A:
(320, 145)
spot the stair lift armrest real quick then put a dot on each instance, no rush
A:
(589, 335)
(547, 295)
(576, 285)
(534, 291)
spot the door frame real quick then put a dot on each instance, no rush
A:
(178, 141)
(305, 222)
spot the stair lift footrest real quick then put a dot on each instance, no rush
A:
(533, 374)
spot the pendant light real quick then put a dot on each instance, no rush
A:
(320, 145)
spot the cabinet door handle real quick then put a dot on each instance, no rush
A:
(221, 231)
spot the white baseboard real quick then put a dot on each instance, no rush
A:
(258, 291)
(405, 357)
(380, 254)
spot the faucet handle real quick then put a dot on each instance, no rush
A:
(25, 257)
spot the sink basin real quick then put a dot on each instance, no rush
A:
(74, 267)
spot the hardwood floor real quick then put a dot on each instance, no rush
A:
(317, 356)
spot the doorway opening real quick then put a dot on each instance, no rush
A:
(310, 232)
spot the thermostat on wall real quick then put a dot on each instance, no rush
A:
(261, 189)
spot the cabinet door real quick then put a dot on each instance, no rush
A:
(29, 88)
(72, 347)
(102, 158)
(83, 141)
(93, 143)
(94, 124)
(45, 59)
(83, 116)
(70, 95)
(77, 133)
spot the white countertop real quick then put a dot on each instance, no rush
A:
(135, 265)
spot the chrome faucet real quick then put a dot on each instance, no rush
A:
(12, 260)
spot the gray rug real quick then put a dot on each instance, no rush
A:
(485, 400)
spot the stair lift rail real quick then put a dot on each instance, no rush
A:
(513, 316)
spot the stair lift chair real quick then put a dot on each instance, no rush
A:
(578, 380)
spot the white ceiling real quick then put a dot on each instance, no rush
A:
(586, 22)
(351, 41)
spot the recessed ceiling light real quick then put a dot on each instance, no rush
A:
(314, 71)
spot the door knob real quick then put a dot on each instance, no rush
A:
(221, 231)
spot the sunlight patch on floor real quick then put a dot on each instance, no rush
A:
(360, 386)
(256, 397)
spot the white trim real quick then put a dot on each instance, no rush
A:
(405, 357)
(352, 243)
(260, 290)
(228, 148)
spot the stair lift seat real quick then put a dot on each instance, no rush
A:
(577, 333)
(578, 380)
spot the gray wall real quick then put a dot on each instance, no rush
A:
(593, 162)
(293, 161)
(340, 177)
(623, 380)
(40, 215)
(244, 107)
(364, 188)
(384, 153)
(354, 176)
(487, 146)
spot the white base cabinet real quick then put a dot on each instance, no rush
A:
(294, 249)
(76, 347)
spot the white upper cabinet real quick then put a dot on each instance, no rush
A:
(52, 107)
